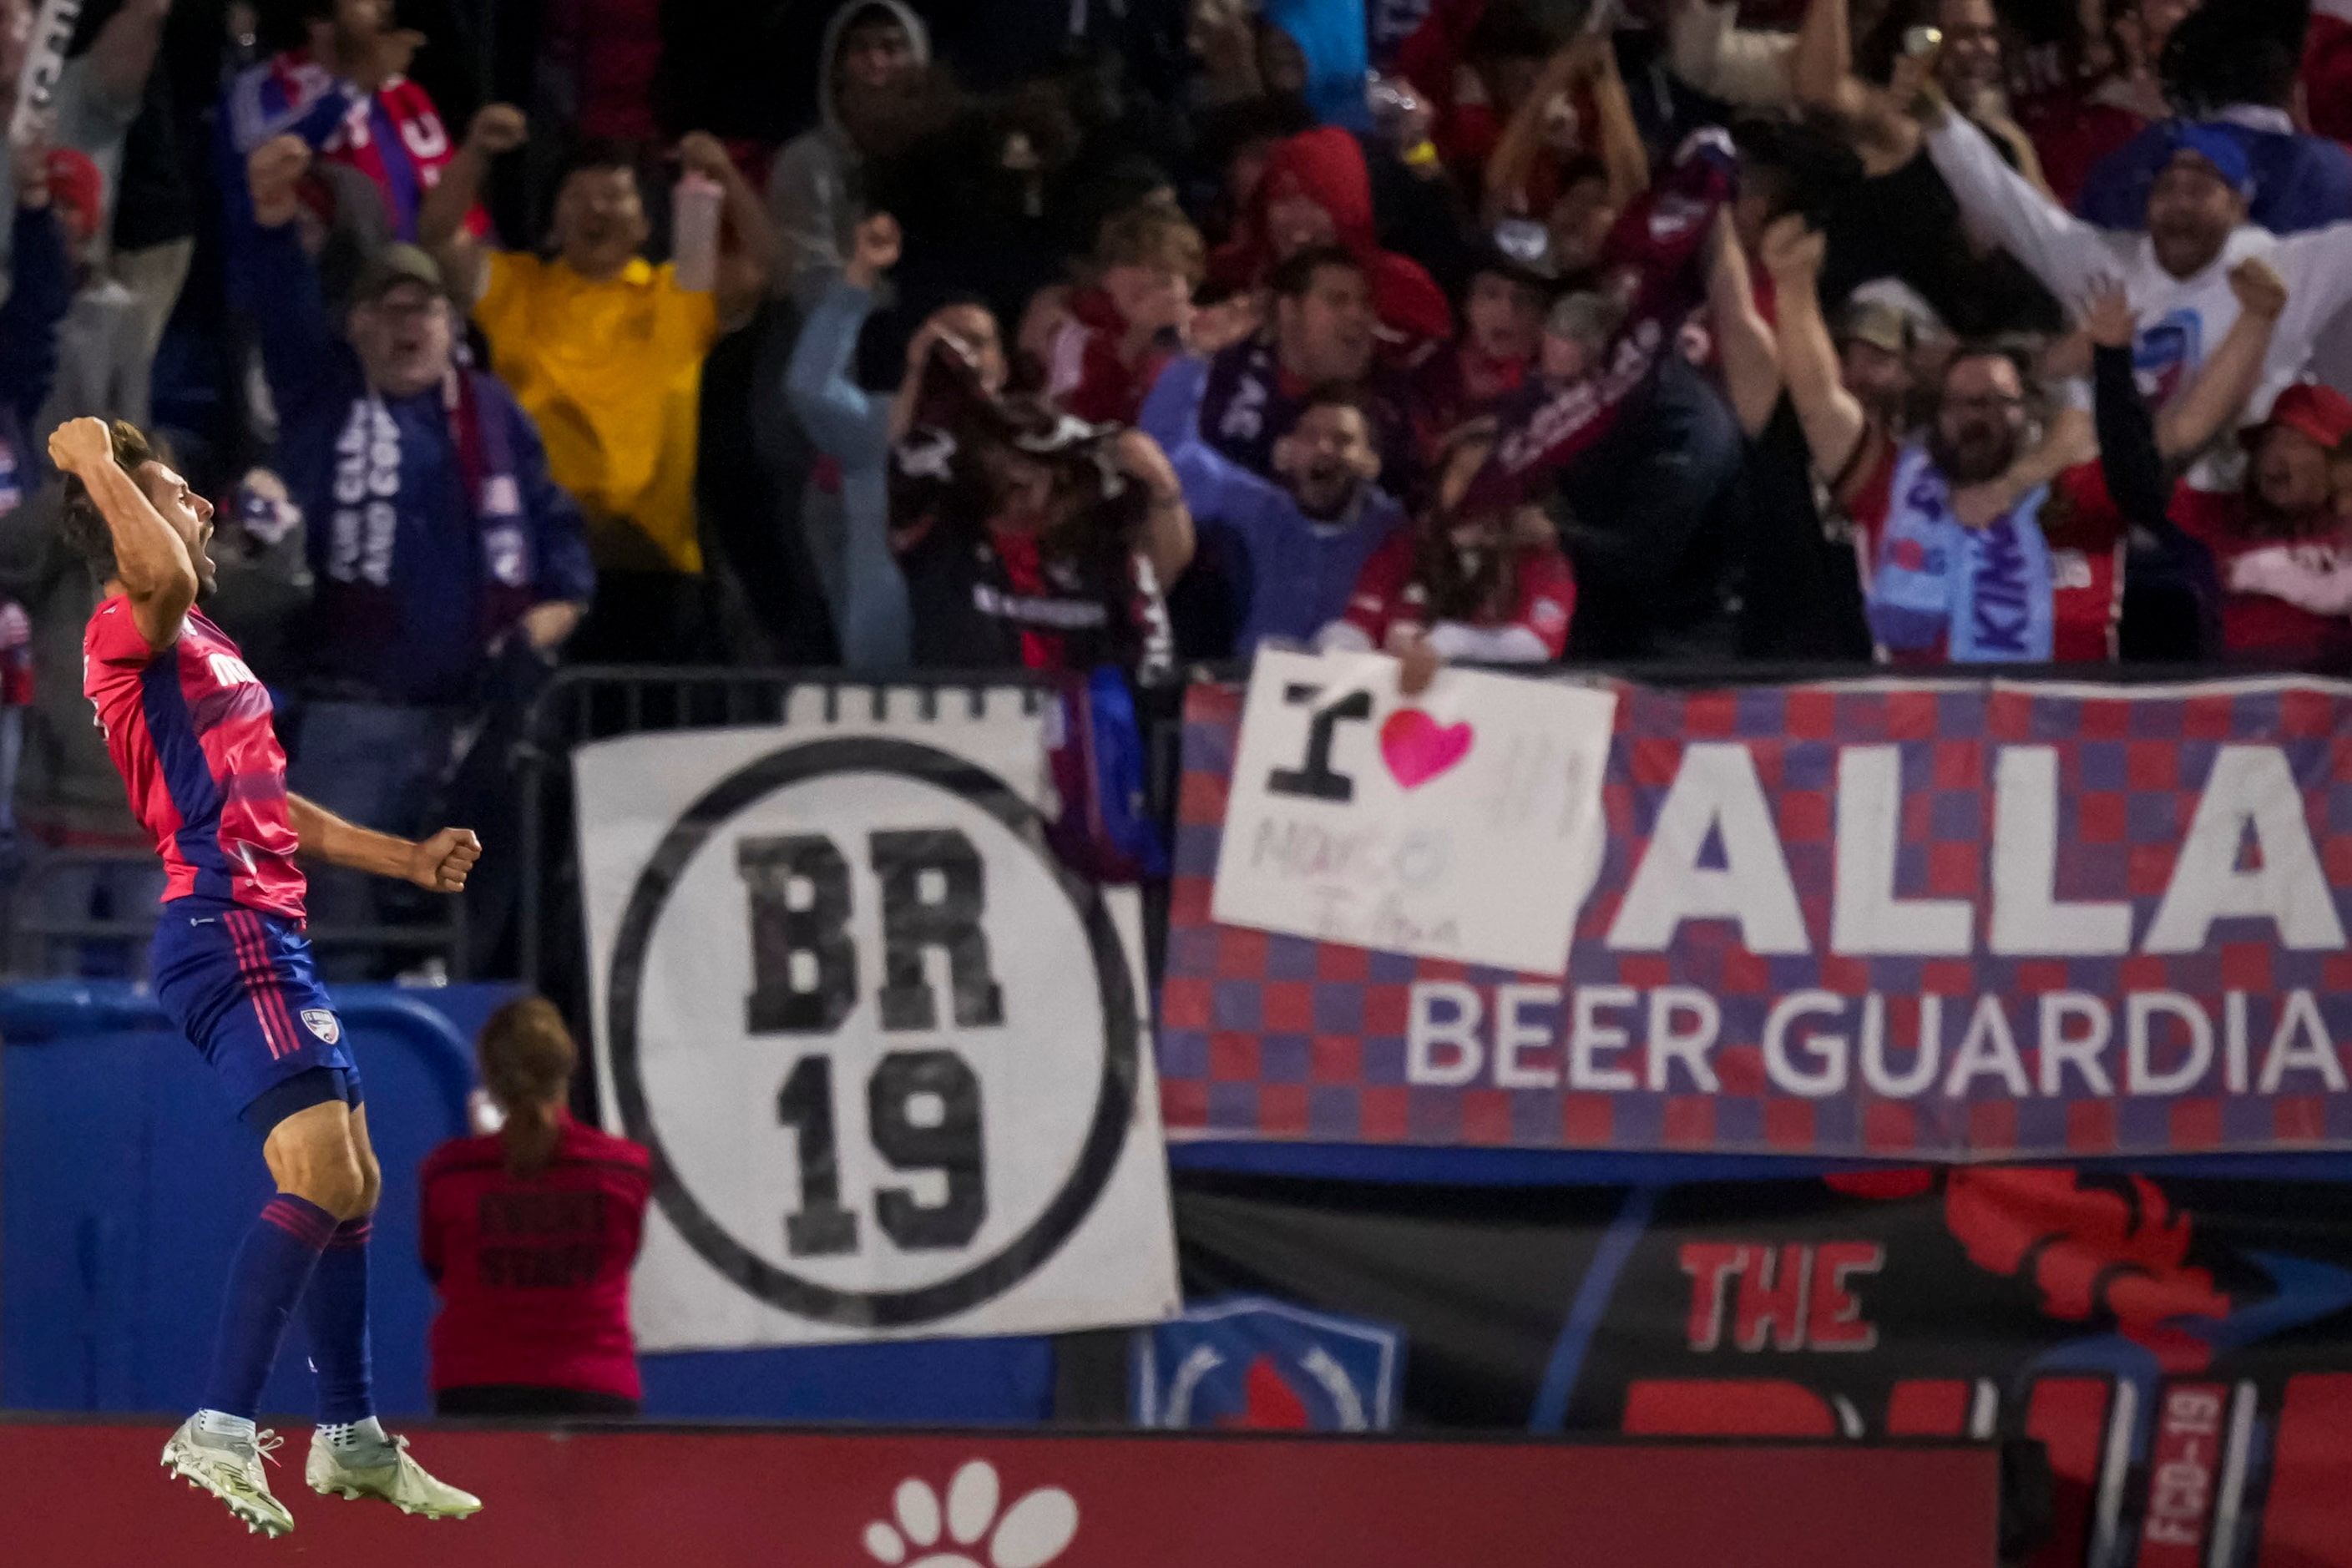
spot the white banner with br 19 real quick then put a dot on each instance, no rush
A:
(893, 1058)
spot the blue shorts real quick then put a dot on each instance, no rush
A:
(241, 986)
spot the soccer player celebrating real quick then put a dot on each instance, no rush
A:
(188, 727)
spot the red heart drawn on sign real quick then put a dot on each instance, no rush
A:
(1417, 748)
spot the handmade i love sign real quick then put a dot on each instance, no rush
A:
(1359, 816)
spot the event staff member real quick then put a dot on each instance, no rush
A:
(529, 1235)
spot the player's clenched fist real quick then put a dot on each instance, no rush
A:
(440, 863)
(81, 446)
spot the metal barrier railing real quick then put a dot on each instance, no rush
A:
(594, 702)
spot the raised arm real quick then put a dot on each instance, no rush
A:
(846, 421)
(41, 290)
(125, 50)
(439, 864)
(150, 559)
(1167, 539)
(802, 202)
(1749, 69)
(2056, 246)
(2223, 383)
(1990, 112)
(2071, 441)
(1621, 151)
(1833, 419)
(1821, 70)
(298, 343)
(1216, 488)
(1513, 157)
(1751, 360)
(441, 216)
(744, 267)
(2128, 458)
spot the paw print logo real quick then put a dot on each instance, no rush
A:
(1030, 1534)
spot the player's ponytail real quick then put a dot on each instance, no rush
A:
(526, 1057)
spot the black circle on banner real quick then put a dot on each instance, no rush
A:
(1114, 1097)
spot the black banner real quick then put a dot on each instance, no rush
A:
(2181, 1347)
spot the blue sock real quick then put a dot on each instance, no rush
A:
(334, 1314)
(279, 1254)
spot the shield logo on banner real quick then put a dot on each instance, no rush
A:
(1255, 1363)
(321, 1022)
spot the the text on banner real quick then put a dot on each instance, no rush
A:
(1956, 921)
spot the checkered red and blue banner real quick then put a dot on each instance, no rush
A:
(1950, 920)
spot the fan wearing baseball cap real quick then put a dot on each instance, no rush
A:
(446, 559)
(2175, 276)
(2284, 549)
(2280, 546)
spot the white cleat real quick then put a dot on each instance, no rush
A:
(230, 1468)
(402, 1482)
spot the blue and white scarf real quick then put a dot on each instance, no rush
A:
(1982, 595)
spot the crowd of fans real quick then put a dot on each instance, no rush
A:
(677, 331)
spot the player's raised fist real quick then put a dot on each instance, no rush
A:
(440, 864)
(497, 128)
(81, 446)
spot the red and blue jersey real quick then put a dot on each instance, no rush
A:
(189, 729)
(393, 135)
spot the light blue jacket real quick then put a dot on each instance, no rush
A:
(1302, 571)
(852, 426)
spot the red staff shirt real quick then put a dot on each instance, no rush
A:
(534, 1271)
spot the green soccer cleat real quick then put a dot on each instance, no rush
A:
(230, 1468)
(402, 1482)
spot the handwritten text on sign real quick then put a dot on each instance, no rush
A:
(1359, 816)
